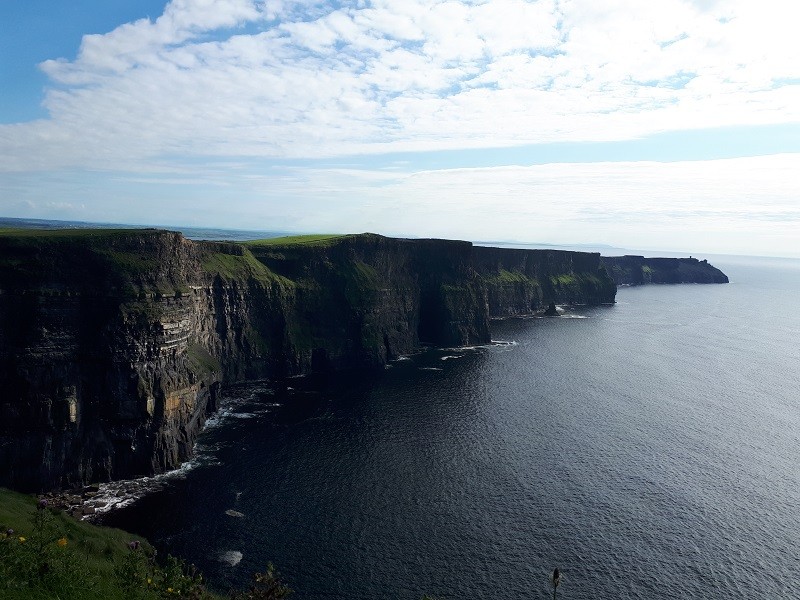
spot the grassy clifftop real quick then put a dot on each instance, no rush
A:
(319, 240)
(72, 260)
(45, 555)
(116, 342)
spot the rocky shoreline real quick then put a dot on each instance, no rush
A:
(90, 503)
(116, 342)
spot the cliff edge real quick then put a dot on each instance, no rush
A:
(114, 343)
(638, 270)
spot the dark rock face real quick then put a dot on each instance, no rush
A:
(96, 364)
(637, 270)
(114, 344)
(366, 299)
(522, 282)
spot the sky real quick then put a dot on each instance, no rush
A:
(670, 125)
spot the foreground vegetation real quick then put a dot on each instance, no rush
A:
(45, 554)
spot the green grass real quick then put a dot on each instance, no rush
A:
(131, 263)
(566, 280)
(509, 277)
(90, 553)
(456, 297)
(201, 360)
(234, 267)
(578, 280)
(12, 232)
(111, 259)
(321, 239)
(361, 282)
(50, 555)
(582, 287)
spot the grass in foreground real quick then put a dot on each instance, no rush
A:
(42, 552)
(45, 554)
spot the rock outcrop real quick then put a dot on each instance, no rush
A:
(638, 270)
(522, 282)
(114, 343)
(103, 364)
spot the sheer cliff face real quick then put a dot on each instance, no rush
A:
(363, 300)
(99, 375)
(520, 282)
(113, 345)
(638, 270)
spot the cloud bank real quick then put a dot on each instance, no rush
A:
(288, 114)
(289, 78)
(744, 205)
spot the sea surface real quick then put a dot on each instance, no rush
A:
(648, 449)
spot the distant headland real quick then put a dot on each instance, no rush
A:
(116, 342)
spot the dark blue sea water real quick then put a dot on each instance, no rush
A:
(649, 450)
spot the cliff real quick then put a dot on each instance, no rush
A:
(638, 270)
(102, 360)
(114, 343)
(521, 282)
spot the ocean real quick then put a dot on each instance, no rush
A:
(647, 449)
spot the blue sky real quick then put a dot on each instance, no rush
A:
(669, 125)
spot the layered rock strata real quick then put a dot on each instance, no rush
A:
(638, 270)
(114, 344)
(521, 282)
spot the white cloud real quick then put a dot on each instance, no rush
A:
(181, 108)
(421, 74)
(734, 205)
(744, 205)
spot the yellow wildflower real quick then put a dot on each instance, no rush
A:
(169, 590)
(149, 581)
(21, 539)
(62, 542)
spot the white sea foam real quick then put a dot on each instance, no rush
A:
(244, 415)
(230, 409)
(120, 494)
(430, 369)
(230, 557)
(114, 495)
(234, 513)
(449, 356)
(480, 347)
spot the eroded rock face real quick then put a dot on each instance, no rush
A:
(638, 270)
(114, 344)
(520, 282)
(99, 376)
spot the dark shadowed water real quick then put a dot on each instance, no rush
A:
(649, 450)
